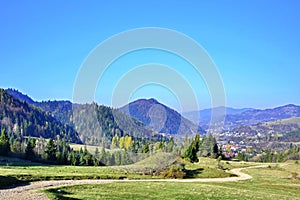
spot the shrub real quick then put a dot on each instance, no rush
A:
(175, 171)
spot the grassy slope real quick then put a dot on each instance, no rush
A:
(267, 183)
(295, 120)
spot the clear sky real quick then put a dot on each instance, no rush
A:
(255, 45)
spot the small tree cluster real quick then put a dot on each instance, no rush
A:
(191, 152)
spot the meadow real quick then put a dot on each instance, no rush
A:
(273, 182)
(277, 181)
(15, 171)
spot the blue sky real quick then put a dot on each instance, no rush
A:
(255, 45)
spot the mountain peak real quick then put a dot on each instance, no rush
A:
(152, 100)
(159, 117)
(290, 106)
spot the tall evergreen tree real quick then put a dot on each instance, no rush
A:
(29, 151)
(191, 152)
(170, 145)
(103, 157)
(51, 150)
(4, 144)
(72, 158)
(16, 146)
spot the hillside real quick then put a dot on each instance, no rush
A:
(241, 117)
(22, 119)
(253, 117)
(61, 110)
(97, 124)
(94, 123)
(250, 117)
(280, 127)
(160, 117)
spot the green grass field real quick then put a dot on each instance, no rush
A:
(267, 183)
(275, 182)
(90, 148)
(16, 171)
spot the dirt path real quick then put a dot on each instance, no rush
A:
(29, 192)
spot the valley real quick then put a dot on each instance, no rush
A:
(132, 145)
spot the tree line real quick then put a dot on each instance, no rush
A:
(124, 150)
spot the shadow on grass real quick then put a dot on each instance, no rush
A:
(193, 173)
(7, 182)
(59, 194)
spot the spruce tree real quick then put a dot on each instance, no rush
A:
(29, 151)
(192, 150)
(4, 144)
(51, 150)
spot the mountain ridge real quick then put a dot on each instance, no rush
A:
(22, 119)
(94, 123)
(160, 117)
(204, 116)
(155, 114)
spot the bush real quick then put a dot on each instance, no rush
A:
(295, 176)
(175, 171)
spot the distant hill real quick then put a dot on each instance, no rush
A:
(203, 117)
(241, 117)
(253, 117)
(160, 117)
(94, 123)
(22, 119)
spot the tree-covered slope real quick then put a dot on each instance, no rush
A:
(22, 119)
(95, 124)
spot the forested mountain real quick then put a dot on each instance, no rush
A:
(22, 119)
(20, 96)
(160, 117)
(61, 110)
(97, 124)
(94, 123)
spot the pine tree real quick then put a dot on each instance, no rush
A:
(191, 152)
(97, 152)
(4, 144)
(88, 160)
(16, 146)
(51, 150)
(112, 159)
(103, 156)
(170, 145)
(118, 158)
(29, 151)
(72, 158)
